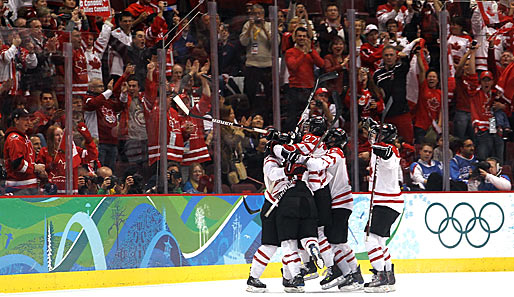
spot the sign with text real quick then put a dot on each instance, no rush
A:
(96, 7)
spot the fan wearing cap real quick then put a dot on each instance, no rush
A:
(320, 106)
(19, 155)
(371, 51)
(481, 98)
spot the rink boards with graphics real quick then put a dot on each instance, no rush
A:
(73, 242)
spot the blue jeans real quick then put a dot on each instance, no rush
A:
(489, 145)
(107, 154)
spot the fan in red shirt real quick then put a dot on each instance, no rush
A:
(428, 111)
(371, 51)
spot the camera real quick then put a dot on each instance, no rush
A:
(318, 103)
(480, 165)
(137, 187)
(175, 174)
(474, 43)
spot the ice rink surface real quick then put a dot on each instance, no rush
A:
(484, 284)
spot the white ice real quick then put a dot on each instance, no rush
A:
(484, 284)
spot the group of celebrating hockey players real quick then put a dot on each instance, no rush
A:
(308, 203)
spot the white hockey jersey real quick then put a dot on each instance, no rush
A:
(340, 189)
(387, 188)
(274, 178)
(318, 179)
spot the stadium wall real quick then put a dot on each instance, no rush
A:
(73, 242)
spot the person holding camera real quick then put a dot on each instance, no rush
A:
(108, 182)
(461, 165)
(487, 177)
(369, 96)
(320, 106)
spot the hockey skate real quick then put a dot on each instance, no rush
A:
(309, 271)
(333, 277)
(352, 282)
(378, 283)
(255, 285)
(295, 285)
(391, 280)
(316, 255)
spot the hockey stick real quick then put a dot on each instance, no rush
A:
(248, 209)
(339, 110)
(322, 78)
(370, 215)
(186, 110)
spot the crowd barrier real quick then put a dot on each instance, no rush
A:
(82, 242)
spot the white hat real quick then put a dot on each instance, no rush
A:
(370, 28)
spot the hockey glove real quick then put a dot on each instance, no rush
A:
(81, 127)
(289, 154)
(292, 169)
(384, 152)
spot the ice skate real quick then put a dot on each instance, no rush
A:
(357, 275)
(255, 285)
(378, 283)
(333, 277)
(295, 285)
(350, 284)
(316, 255)
(391, 280)
(309, 271)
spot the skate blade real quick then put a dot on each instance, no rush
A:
(310, 276)
(352, 288)
(294, 289)
(253, 289)
(333, 283)
(380, 289)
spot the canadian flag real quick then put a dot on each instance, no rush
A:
(489, 12)
(506, 83)
(76, 157)
(412, 77)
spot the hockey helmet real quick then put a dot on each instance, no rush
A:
(367, 123)
(336, 137)
(316, 125)
(386, 133)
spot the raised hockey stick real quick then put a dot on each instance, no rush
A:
(247, 207)
(322, 78)
(339, 110)
(186, 110)
(370, 214)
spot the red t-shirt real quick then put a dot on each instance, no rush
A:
(429, 106)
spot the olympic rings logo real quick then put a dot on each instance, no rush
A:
(468, 227)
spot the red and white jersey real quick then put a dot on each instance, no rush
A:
(340, 189)
(458, 45)
(17, 145)
(94, 54)
(386, 12)
(371, 56)
(480, 103)
(387, 188)
(10, 56)
(275, 178)
(318, 179)
(115, 59)
(429, 106)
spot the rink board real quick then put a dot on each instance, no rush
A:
(83, 242)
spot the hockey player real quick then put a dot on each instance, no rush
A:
(279, 180)
(387, 204)
(341, 208)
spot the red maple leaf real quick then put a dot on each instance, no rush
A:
(95, 64)
(455, 46)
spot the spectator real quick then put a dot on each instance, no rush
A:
(256, 37)
(232, 166)
(123, 35)
(44, 117)
(140, 11)
(184, 44)
(54, 156)
(19, 156)
(174, 179)
(371, 52)
(329, 27)
(229, 53)
(337, 61)
(394, 9)
(462, 164)
(300, 61)
(428, 109)
(391, 77)
(369, 96)
(458, 41)
(422, 170)
(489, 177)
(197, 180)
(108, 182)
(101, 115)
(320, 106)
(36, 144)
(395, 37)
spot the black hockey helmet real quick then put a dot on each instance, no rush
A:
(336, 137)
(386, 133)
(316, 125)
